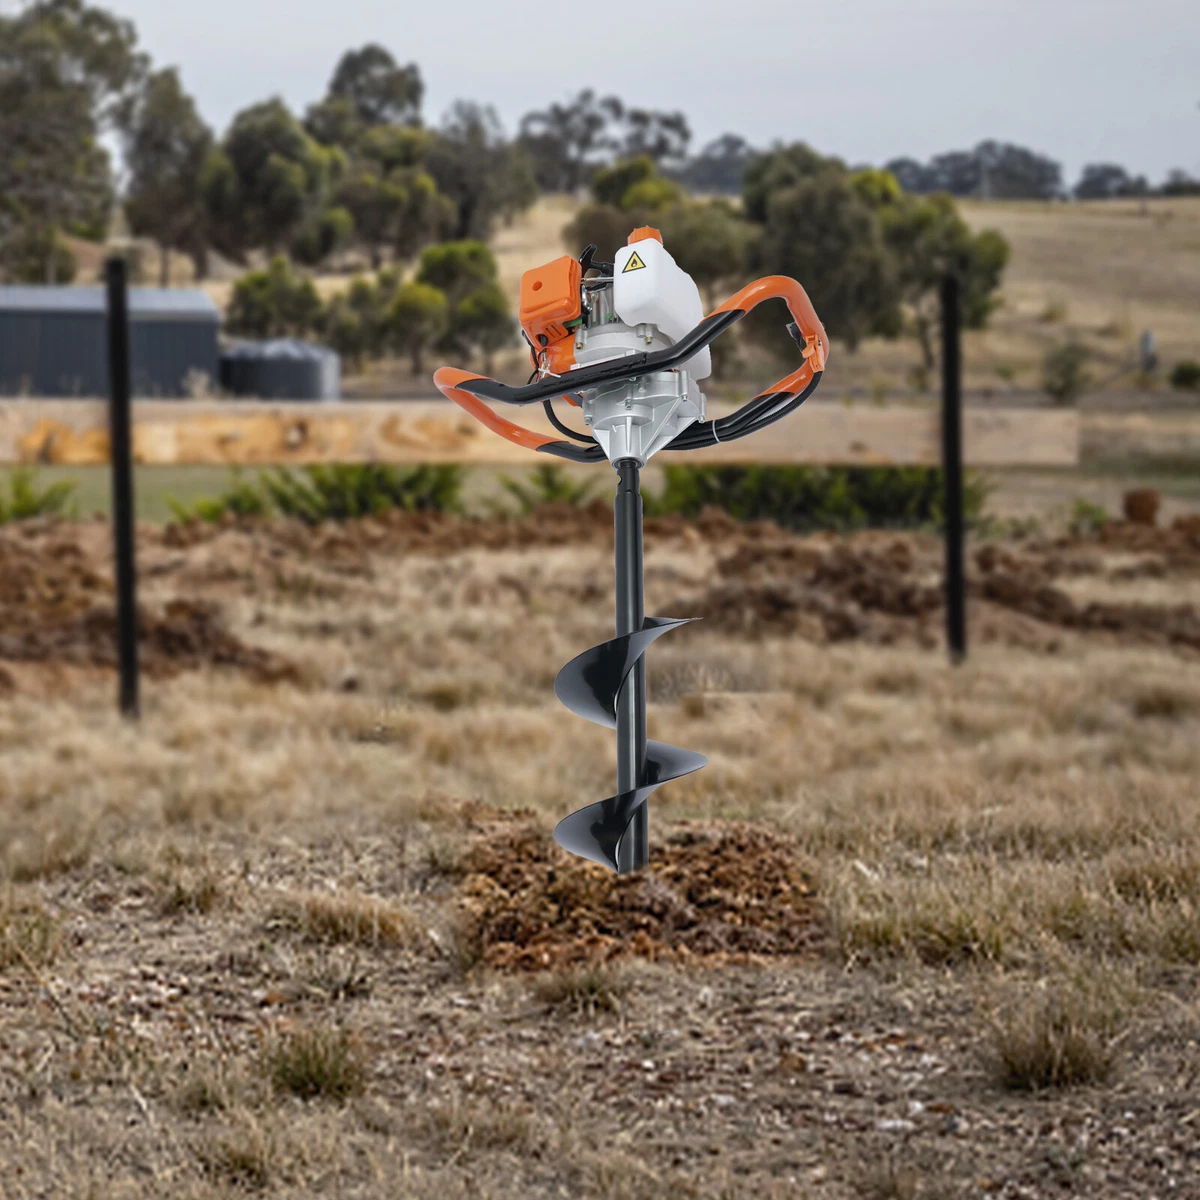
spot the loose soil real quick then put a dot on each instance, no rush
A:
(710, 894)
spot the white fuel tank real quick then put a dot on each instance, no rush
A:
(650, 288)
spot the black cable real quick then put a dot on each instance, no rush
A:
(571, 433)
(760, 413)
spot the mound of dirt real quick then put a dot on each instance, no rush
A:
(879, 589)
(886, 589)
(723, 891)
(57, 608)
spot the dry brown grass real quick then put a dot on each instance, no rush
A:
(254, 868)
(1060, 1032)
(345, 918)
(316, 1063)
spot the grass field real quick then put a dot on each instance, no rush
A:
(258, 942)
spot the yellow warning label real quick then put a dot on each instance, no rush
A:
(634, 264)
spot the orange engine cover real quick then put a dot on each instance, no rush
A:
(550, 300)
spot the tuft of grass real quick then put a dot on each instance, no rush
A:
(938, 923)
(1167, 702)
(24, 499)
(316, 1064)
(344, 917)
(581, 990)
(889, 1180)
(30, 936)
(57, 851)
(1055, 312)
(1061, 1033)
(245, 1154)
(190, 893)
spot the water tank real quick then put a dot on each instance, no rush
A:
(287, 369)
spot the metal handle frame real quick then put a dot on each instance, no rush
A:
(471, 392)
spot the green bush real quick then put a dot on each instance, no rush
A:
(25, 499)
(332, 493)
(1064, 371)
(806, 498)
(341, 493)
(273, 303)
(1086, 516)
(1185, 375)
(241, 499)
(546, 484)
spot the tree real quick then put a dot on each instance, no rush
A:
(272, 303)
(381, 91)
(166, 147)
(821, 231)
(457, 268)
(928, 240)
(368, 90)
(266, 181)
(66, 70)
(1104, 181)
(325, 232)
(710, 241)
(634, 183)
(478, 316)
(481, 173)
(774, 170)
(991, 171)
(481, 320)
(566, 141)
(416, 319)
(1180, 183)
(660, 136)
(719, 167)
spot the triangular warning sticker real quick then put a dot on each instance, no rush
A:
(634, 264)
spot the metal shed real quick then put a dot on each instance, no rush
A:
(53, 341)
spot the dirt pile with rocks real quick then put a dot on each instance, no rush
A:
(712, 892)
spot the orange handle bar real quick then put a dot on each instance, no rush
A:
(468, 389)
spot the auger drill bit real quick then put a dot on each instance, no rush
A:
(628, 345)
(607, 685)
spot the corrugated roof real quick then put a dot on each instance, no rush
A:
(147, 303)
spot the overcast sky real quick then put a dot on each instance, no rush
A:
(1081, 80)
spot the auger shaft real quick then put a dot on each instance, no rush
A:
(634, 851)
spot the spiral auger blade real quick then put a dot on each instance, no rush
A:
(590, 685)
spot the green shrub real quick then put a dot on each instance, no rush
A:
(25, 499)
(1064, 371)
(241, 499)
(343, 492)
(548, 483)
(1185, 375)
(1086, 516)
(805, 498)
(273, 303)
(331, 493)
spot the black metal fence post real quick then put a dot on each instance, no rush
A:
(121, 449)
(952, 468)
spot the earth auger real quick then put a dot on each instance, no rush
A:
(627, 343)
